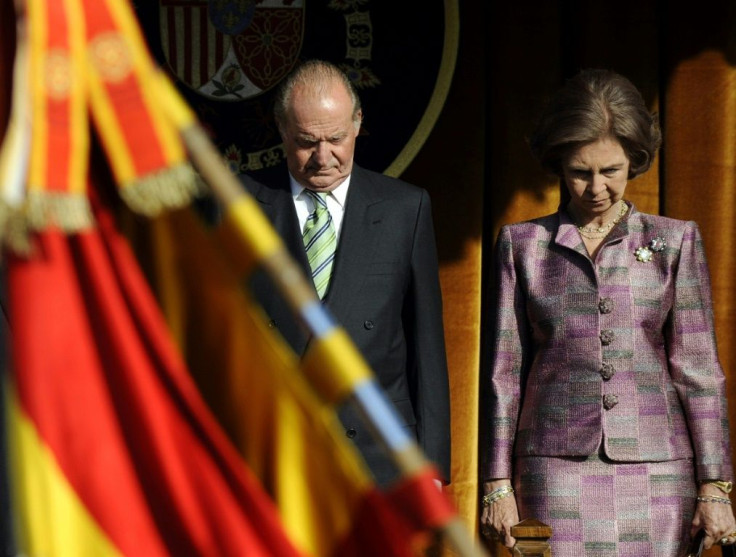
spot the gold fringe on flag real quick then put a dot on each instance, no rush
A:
(15, 233)
(70, 212)
(171, 188)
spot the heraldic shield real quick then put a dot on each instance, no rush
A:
(231, 50)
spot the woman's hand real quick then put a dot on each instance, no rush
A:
(715, 518)
(498, 518)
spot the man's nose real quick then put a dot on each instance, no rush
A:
(321, 154)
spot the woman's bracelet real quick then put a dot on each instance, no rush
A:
(713, 499)
(496, 494)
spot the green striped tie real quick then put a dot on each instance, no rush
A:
(320, 242)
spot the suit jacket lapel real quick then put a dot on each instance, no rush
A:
(361, 222)
(278, 206)
(567, 235)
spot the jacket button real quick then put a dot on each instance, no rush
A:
(271, 324)
(607, 371)
(607, 336)
(350, 433)
(368, 324)
(609, 401)
(605, 305)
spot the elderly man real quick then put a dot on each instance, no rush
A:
(368, 242)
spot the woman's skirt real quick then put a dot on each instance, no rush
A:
(598, 508)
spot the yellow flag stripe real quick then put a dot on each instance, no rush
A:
(246, 217)
(122, 163)
(38, 37)
(54, 521)
(334, 366)
(172, 103)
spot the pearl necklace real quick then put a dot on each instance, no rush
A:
(598, 232)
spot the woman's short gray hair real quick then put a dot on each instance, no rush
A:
(594, 104)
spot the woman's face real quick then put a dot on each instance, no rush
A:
(596, 176)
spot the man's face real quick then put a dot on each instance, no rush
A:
(319, 136)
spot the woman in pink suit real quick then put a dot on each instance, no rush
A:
(607, 416)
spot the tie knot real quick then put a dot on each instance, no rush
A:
(318, 198)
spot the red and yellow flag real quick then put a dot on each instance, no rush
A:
(113, 450)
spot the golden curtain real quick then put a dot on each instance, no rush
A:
(699, 168)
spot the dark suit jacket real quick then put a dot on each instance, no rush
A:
(385, 293)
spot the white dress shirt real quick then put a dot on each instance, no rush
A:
(335, 203)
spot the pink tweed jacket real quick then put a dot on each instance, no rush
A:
(620, 350)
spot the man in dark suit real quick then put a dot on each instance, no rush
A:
(382, 284)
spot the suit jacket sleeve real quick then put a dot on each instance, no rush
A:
(427, 362)
(693, 361)
(509, 344)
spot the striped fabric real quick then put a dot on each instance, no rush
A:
(320, 242)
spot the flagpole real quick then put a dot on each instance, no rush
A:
(346, 375)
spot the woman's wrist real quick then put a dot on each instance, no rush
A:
(501, 492)
(490, 485)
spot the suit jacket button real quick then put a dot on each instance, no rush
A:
(609, 401)
(351, 433)
(271, 324)
(368, 324)
(605, 305)
(607, 371)
(607, 336)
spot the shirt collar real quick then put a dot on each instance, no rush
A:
(340, 193)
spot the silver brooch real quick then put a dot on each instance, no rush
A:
(645, 253)
(657, 244)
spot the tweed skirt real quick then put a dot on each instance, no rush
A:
(598, 508)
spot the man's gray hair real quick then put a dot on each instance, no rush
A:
(313, 73)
